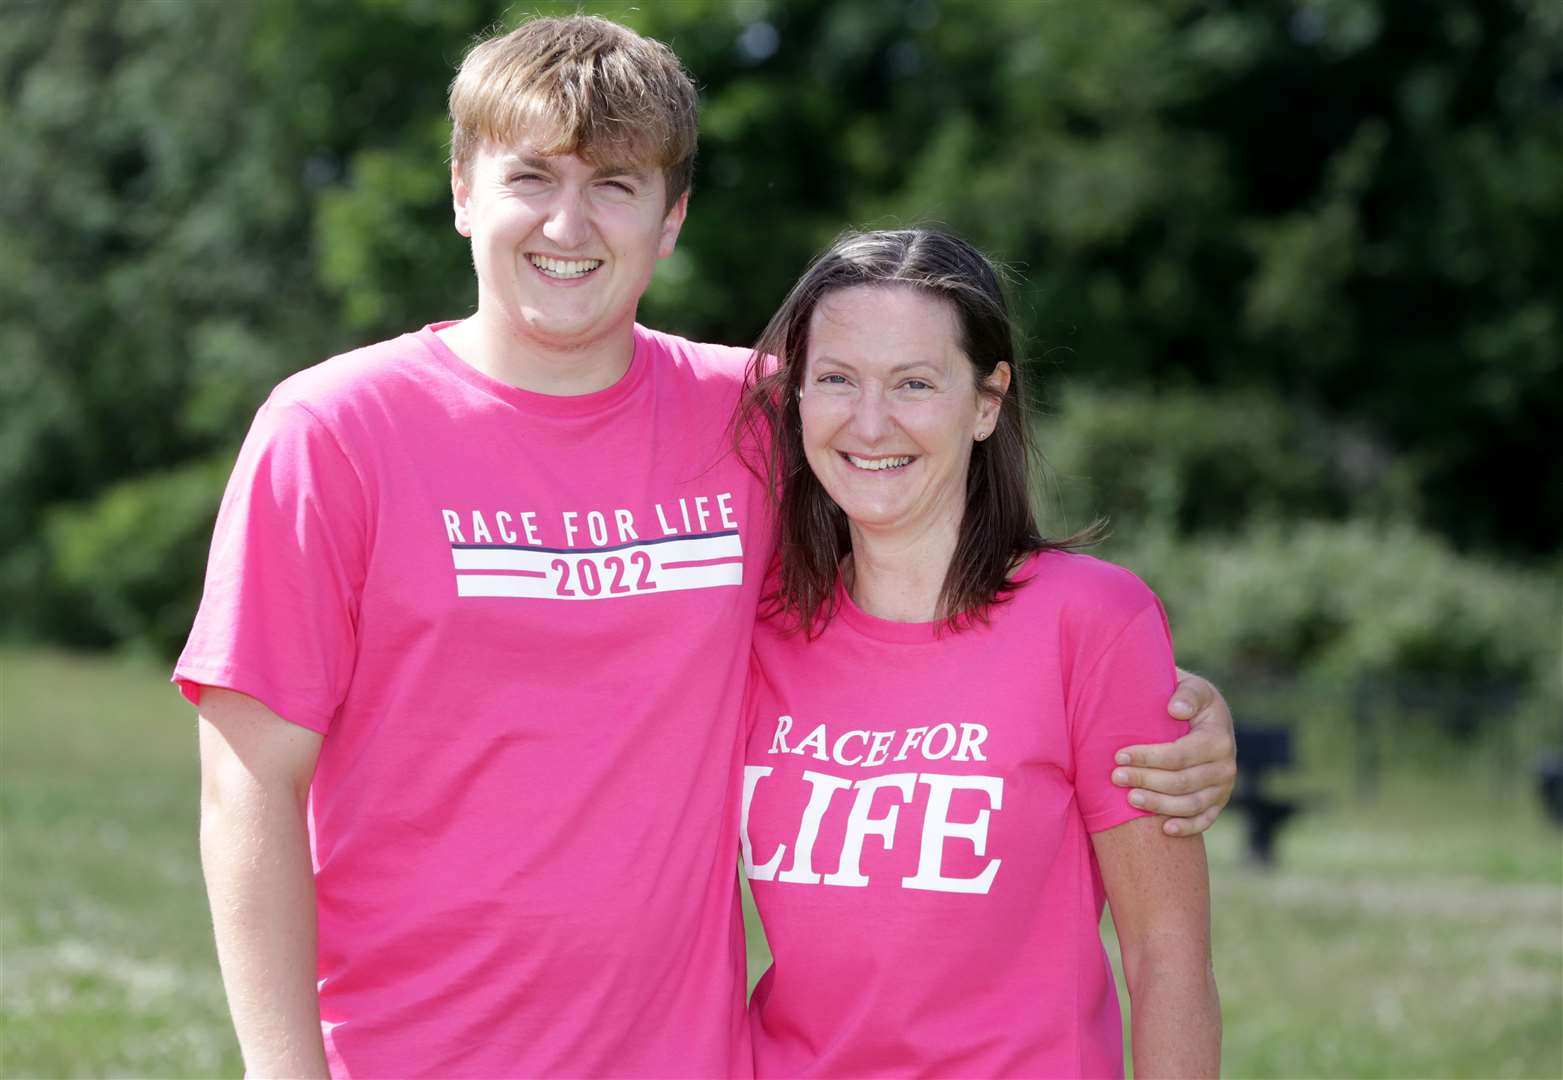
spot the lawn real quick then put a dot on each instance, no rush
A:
(1418, 933)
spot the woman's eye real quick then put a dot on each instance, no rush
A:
(918, 384)
(833, 380)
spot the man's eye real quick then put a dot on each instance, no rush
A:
(833, 380)
(918, 384)
(621, 186)
(525, 178)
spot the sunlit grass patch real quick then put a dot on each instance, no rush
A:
(108, 960)
(1414, 933)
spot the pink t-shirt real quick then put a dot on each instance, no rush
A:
(917, 811)
(523, 624)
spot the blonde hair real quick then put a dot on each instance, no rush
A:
(578, 85)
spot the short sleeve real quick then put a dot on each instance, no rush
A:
(1122, 699)
(278, 615)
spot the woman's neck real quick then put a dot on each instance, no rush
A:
(901, 578)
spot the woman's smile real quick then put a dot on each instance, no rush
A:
(890, 409)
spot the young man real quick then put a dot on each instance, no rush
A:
(476, 623)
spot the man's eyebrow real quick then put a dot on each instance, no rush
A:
(531, 161)
(543, 164)
(628, 172)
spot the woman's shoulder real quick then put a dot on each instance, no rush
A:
(1089, 606)
(1082, 589)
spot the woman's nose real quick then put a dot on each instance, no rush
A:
(871, 418)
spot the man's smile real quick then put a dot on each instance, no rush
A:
(563, 269)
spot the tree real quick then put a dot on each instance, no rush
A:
(1345, 208)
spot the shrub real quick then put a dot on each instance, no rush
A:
(133, 558)
(1347, 600)
(1191, 462)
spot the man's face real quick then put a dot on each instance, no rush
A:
(563, 248)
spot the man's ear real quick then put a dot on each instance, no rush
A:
(460, 196)
(671, 224)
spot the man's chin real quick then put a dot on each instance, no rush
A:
(561, 330)
(553, 321)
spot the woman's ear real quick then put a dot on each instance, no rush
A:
(990, 398)
(997, 381)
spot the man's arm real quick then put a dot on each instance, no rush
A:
(1190, 780)
(1159, 892)
(255, 774)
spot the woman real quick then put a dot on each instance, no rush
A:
(929, 821)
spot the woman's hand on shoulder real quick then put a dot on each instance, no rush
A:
(1190, 780)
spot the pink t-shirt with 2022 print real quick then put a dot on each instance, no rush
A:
(522, 623)
(918, 807)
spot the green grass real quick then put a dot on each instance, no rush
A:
(1418, 933)
(109, 966)
(1381, 948)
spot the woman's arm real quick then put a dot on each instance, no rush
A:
(1190, 780)
(1159, 892)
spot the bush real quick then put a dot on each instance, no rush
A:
(1280, 542)
(1190, 462)
(1351, 600)
(132, 559)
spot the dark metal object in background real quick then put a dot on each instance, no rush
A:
(1260, 752)
(1549, 782)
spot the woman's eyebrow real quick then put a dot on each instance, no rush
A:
(897, 369)
(826, 358)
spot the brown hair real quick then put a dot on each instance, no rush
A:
(998, 526)
(578, 85)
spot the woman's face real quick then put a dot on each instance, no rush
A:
(890, 409)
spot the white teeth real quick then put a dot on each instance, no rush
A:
(564, 268)
(878, 464)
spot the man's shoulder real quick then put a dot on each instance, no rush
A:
(348, 379)
(703, 360)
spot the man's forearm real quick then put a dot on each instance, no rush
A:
(255, 854)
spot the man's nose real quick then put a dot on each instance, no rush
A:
(568, 225)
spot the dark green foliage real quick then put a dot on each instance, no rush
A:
(155, 271)
(124, 559)
(1281, 542)
(1296, 258)
(1188, 462)
(1348, 600)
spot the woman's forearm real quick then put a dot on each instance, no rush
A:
(1159, 891)
(1175, 1018)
